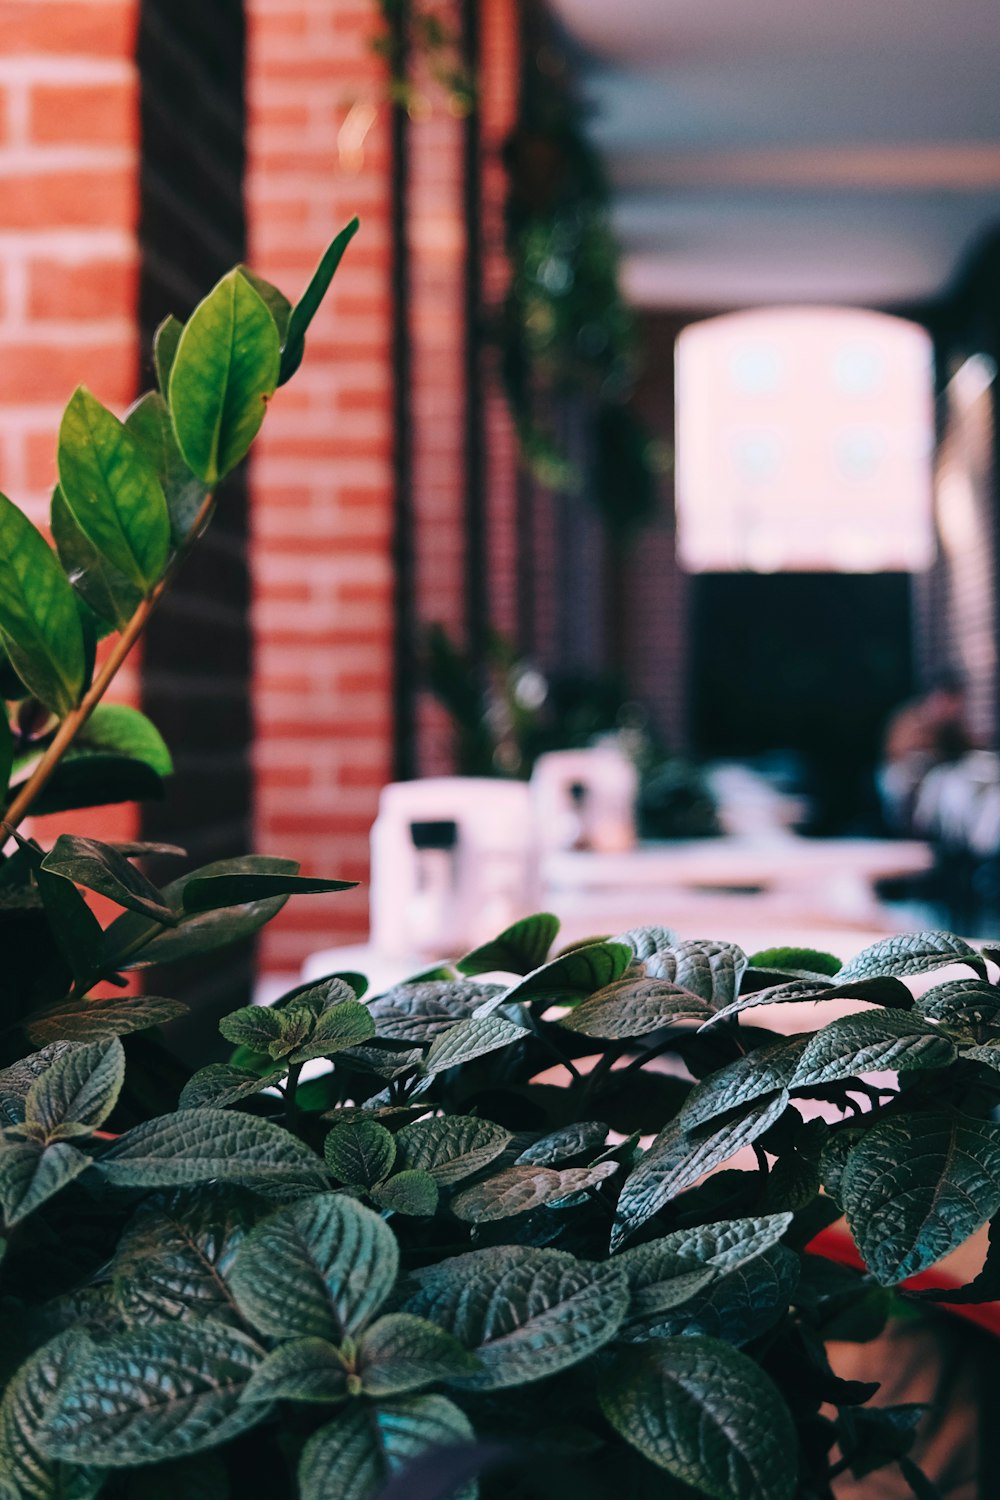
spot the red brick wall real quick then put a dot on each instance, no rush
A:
(68, 249)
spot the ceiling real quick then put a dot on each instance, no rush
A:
(793, 150)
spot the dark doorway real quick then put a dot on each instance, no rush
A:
(810, 663)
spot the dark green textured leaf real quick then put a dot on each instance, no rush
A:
(236, 888)
(724, 1246)
(916, 1186)
(710, 970)
(634, 1007)
(112, 490)
(517, 1190)
(6, 752)
(88, 1020)
(870, 1042)
(912, 953)
(705, 1413)
(201, 1144)
(30, 1174)
(766, 1070)
(409, 1192)
(154, 1393)
(301, 1370)
(341, 1026)
(99, 867)
(880, 990)
(517, 950)
(572, 975)
(962, 1002)
(360, 1153)
(321, 1268)
(225, 368)
(80, 1089)
(353, 1456)
(173, 1261)
(451, 1147)
(476, 1037)
(149, 423)
(526, 1313)
(645, 941)
(16, 1080)
(402, 1353)
(23, 1412)
(222, 1084)
(40, 625)
(418, 1013)
(75, 929)
(254, 1026)
(308, 304)
(737, 1306)
(111, 595)
(675, 1160)
(581, 1139)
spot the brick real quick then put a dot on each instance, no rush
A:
(90, 28)
(81, 114)
(94, 199)
(94, 289)
(32, 372)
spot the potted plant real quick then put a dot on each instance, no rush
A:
(477, 1243)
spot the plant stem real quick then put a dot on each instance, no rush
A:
(291, 1085)
(77, 717)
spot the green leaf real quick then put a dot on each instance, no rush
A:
(352, 1456)
(764, 1071)
(419, 1012)
(526, 1313)
(173, 1260)
(710, 970)
(222, 1084)
(402, 1353)
(30, 1174)
(165, 341)
(360, 1153)
(880, 990)
(517, 950)
(224, 371)
(635, 1007)
(274, 300)
(88, 1020)
(476, 1037)
(154, 1393)
(916, 1186)
(6, 751)
(23, 1414)
(724, 1246)
(968, 1003)
(16, 1080)
(91, 778)
(79, 1090)
(873, 1041)
(113, 491)
(148, 420)
(675, 1160)
(321, 1269)
(738, 1306)
(235, 888)
(117, 729)
(309, 303)
(341, 1026)
(518, 1190)
(583, 1138)
(409, 1192)
(912, 953)
(573, 975)
(201, 933)
(253, 1026)
(99, 867)
(108, 592)
(451, 1147)
(39, 620)
(645, 941)
(705, 1413)
(75, 930)
(815, 960)
(199, 1145)
(302, 1370)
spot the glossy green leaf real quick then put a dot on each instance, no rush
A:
(111, 595)
(409, 1192)
(308, 1369)
(705, 1413)
(352, 1457)
(224, 371)
(525, 1313)
(916, 1186)
(815, 960)
(113, 491)
(451, 1147)
(165, 341)
(873, 1041)
(79, 1089)
(572, 975)
(94, 778)
(401, 1353)
(518, 1190)
(517, 950)
(635, 1007)
(75, 930)
(309, 303)
(360, 1152)
(154, 1393)
(39, 620)
(274, 300)
(199, 1145)
(31, 1173)
(24, 1410)
(174, 1258)
(236, 888)
(122, 730)
(912, 953)
(148, 420)
(99, 867)
(319, 1269)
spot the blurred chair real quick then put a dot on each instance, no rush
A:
(584, 800)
